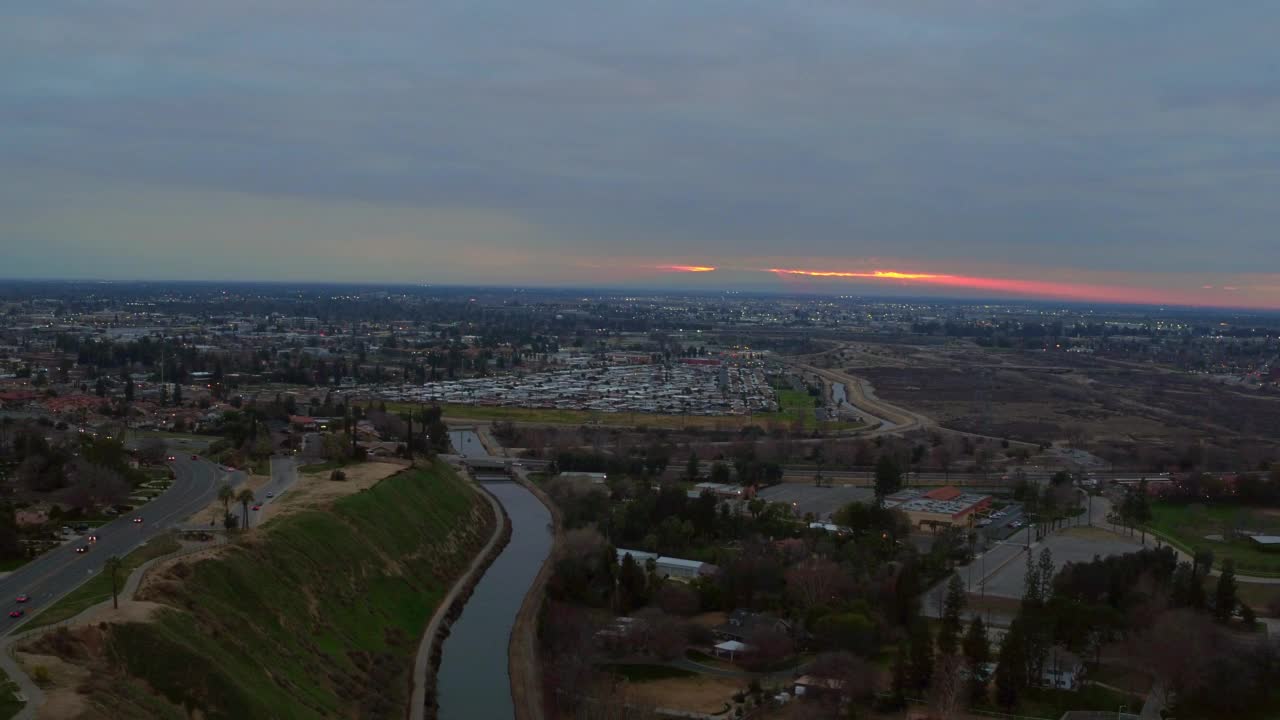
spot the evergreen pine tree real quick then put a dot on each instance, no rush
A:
(1224, 598)
(953, 606)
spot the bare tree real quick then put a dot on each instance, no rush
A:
(947, 688)
(1180, 648)
(769, 646)
(815, 582)
(854, 679)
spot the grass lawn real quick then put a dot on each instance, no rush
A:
(1124, 678)
(1053, 704)
(322, 467)
(553, 416)
(710, 660)
(98, 588)
(1187, 525)
(646, 673)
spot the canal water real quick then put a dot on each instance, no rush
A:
(474, 681)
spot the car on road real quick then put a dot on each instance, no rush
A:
(195, 457)
(137, 521)
(257, 507)
(270, 495)
(82, 549)
(17, 613)
(22, 598)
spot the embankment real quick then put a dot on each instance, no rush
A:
(525, 663)
(426, 702)
(318, 615)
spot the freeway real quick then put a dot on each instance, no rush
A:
(59, 571)
(284, 473)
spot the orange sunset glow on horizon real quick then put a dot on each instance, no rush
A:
(1223, 295)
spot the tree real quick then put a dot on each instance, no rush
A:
(1045, 570)
(1142, 509)
(888, 478)
(128, 390)
(632, 589)
(719, 473)
(953, 606)
(1180, 649)
(769, 646)
(1224, 598)
(947, 690)
(113, 566)
(100, 387)
(1011, 667)
(815, 582)
(226, 495)
(921, 664)
(855, 676)
(691, 467)
(245, 497)
(153, 450)
(977, 652)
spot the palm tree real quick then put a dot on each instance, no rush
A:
(245, 497)
(226, 495)
(113, 566)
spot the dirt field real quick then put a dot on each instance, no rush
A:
(1119, 409)
(313, 490)
(698, 694)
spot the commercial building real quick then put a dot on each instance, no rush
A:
(941, 507)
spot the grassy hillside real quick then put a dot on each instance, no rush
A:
(318, 616)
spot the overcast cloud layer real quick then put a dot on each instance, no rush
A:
(532, 141)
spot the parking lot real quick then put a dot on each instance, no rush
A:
(1074, 545)
(821, 501)
(1009, 522)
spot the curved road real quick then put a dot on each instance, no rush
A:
(59, 571)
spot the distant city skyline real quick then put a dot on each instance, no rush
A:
(1087, 151)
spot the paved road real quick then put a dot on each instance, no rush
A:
(59, 571)
(284, 473)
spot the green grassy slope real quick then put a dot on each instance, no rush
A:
(320, 616)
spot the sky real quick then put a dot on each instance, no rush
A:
(1117, 151)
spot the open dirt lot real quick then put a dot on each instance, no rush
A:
(1074, 545)
(697, 694)
(314, 490)
(1047, 397)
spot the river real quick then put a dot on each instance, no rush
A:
(474, 681)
